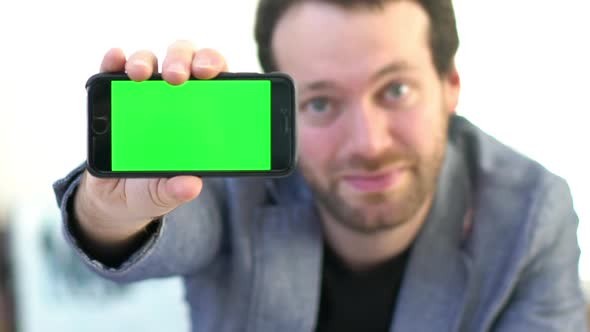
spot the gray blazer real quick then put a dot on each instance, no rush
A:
(498, 251)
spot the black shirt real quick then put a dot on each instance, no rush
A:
(359, 301)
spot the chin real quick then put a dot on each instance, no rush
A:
(372, 222)
(383, 209)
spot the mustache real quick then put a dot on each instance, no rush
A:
(360, 162)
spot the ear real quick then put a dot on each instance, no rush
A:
(451, 87)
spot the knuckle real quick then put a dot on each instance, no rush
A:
(154, 194)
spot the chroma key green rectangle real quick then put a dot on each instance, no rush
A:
(201, 125)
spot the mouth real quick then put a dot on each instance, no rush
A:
(374, 182)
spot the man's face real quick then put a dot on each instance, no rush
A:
(373, 113)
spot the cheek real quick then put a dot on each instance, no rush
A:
(418, 130)
(317, 147)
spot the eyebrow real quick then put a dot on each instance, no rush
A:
(318, 85)
(396, 66)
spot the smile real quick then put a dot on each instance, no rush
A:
(374, 182)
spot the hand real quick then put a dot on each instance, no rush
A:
(111, 211)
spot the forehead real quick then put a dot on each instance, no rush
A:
(317, 40)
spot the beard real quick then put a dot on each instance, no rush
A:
(370, 213)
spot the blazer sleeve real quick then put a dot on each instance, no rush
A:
(186, 239)
(549, 296)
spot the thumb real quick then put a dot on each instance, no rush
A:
(182, 189)
(167, 194)
(151, 198)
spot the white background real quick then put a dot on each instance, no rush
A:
(524, 67)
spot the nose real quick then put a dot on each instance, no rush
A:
(369, 132)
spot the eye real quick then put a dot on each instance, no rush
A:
(319, 111)
(396, 91)
(318, 105)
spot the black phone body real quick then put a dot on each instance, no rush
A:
(237, 124)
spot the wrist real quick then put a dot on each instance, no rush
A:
(97, 224)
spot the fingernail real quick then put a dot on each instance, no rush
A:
(205, 62)
(177, 68)
(140, 63)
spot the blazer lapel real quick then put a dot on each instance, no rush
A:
(287, 257)
(434, 289)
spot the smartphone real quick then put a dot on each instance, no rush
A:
(236, 124)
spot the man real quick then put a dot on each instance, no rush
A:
(402, 216)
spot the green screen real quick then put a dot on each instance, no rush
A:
(214, 125)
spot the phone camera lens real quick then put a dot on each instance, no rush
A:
(100, 125)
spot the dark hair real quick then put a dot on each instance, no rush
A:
(444, 39)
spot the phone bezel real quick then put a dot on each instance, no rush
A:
(283, 128)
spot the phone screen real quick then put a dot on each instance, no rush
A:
(156, 126)
(235, 124)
